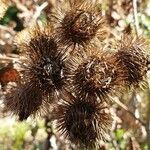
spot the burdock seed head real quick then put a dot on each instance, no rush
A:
(83, 121)
(80, 24)
(45, 60)
(132, 59)
(23, 100)
(94, 74)
(42, 75)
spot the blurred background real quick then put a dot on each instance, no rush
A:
(131, 118)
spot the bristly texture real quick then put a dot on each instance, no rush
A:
(132, 58)
(23, 100)
(45, 59)
(4, 4)
(83, 121)
(43, 71)
(80, 24)
(93, 75)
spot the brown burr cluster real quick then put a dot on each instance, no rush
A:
(24, 100)
(77, 85)
(132, 59)
(81, 24)
(93, 75)
(82, 121)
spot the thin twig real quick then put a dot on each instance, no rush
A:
(39, 10)
(136, 22)
(128, 111)
(8, 58)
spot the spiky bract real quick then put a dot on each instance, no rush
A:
(43, 72)
(93, 75)
(45, 63)
(83, 121)
(132, 59)
(80, 24)
(23, 100)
